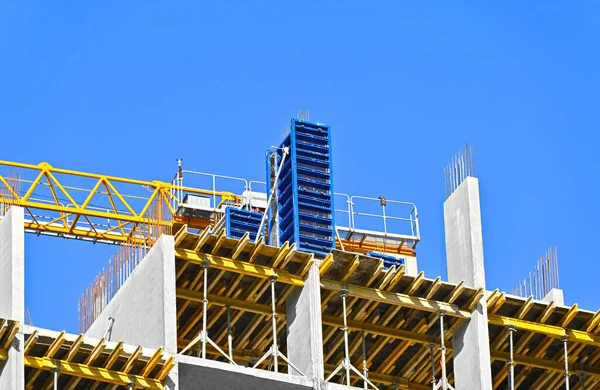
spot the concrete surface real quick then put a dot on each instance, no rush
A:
(464, 253)
(12, 293)
(555, 295)
(410, 266)
(304, 326)
(144, 307)
(199, 374)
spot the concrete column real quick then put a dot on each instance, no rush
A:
(464, 252)
(12, 293)
(555, 295)
(304, 327)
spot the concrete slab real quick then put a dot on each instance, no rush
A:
(144, 308)
(12, 293)
(198, 374)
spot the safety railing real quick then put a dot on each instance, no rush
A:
(382, 215)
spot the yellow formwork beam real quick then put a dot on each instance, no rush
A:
(544, 364)
(258, 308)
(94, 373)
(3, 354)
(397, 299)
(576, 336)
(240, 267)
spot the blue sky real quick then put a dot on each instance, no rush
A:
(125, 88)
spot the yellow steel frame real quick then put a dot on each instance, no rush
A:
(93, 373)
(241, 267)
(553, 331)
(73, 217)
(3, 354)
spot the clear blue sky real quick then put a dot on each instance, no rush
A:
(124, 88)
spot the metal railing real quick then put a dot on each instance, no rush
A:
(380, 222)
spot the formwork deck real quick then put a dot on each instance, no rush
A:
(398, 315)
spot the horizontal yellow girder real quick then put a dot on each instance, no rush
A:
(240, 267)
(259, 308)
(545, 364)
(557, 332)
(94, 373)
(3, 354)
(397, 299)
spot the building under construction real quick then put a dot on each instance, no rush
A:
(219, 282)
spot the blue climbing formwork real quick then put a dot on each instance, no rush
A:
(388, 259)
(238, 222)
(305, 188)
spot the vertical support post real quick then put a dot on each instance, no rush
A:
(204, 307)
(274, 323)
(54, 372)
(344, 294)
(229, 334)
(565, 339)
(364, 352)
(431, 353)
(511, 363)
(443, 350)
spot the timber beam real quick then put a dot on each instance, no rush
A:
(86, 371)
(576, 336)
(240, 267)
(397, 299)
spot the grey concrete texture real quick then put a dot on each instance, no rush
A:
(410, 266)
(144, 308)
(200, 374)
(12, 293)
(12, 265)
(555, 295)
(304, 327)
(464, 240)
(464, 253)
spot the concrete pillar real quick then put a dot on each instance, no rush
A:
(555, 295)
(12, 293)
(464, 252)
(304, 327)
(144, 308)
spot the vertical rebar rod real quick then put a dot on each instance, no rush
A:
(204, 310)
(443, 350)
(274, 322)
(229, 334)
(364, 353)
(511, 362)
(346, 352)
(566, 363)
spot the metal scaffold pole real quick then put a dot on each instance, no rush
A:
(274, 324)
(274, 351)
(229, 334)
(346, 364)
(565, 347)
(443, 383)
(365, 368)
(431, 347)
(511, 363)
(204, 308)
(203, 336)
